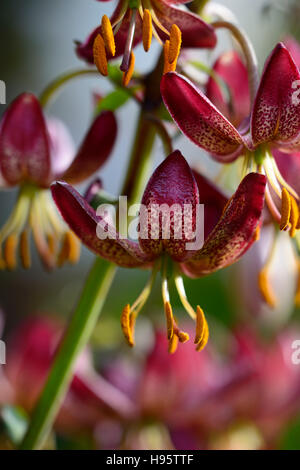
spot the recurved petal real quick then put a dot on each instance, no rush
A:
(173, 189)
(232, 71)
(82, 219)
(195, 32)
(234, 231)
(24, 142)
(198, 118)
(276, 111)
(95, 148)
(213, 199)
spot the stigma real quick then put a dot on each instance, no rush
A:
(35, 216)
(137, 11)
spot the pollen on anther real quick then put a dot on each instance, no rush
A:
(108, 35)
(10, 251)
(147, 30)
(173, 344)
(170, 320)
(285, 209)
(266, 288)
(175, 43)
(128, 75)
(167, 66)
(25, 250)
(126, 326)
(100, 55)
(294, 217)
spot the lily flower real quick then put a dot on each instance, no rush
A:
(230, 229)
(136, 21)
(274, 124)
(34, 152)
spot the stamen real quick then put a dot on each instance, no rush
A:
(125, 324)
(167, 66)
(147, 30)
(108, 35)
(127, 75)
(183, 336)
(183, 297)
(294, 217)
(200, 325)
(201, 345)
(266, 288)
(297, 295)
(25, 250)
(170, 320)
(100, 55)
(256, 234)
(10, 251)
(173, 344)
(285, 209)
(129, 41)
(175, 43)
(73, 245)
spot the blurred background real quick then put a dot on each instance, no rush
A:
(37, 44)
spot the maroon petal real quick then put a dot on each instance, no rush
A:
(214, 202)
(232, 70)
(82, 219)
(293, 47)
(276, 112)
(95, 148)
(198, 118)
(24, 142)
(171, 184)
(195, 32)
(234, 231)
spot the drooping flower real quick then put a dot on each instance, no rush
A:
(274, 123)
(34, 152)
(230, 229)
(136, 21)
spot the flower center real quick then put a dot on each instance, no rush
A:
(105, 42)
(35, 213)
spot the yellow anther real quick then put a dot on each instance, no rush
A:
(175, 43)
(256, 236)
(100, 55)
(183, 336)
(266, 288)
(52, 243)
(167, 66)
(132, 321)
(125, 324)
(147, 30)
(127, 75)
(73, 247)
(10, 251)
(294, 216)
(285, 209)
(201, 345)
(170, 320)
(25, 250)
(108, 35)
(200, 325)
(173, 343)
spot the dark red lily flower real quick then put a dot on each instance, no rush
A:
(90, 398)
(274, 124)
(230, 231)
(136, 22)
(34, 152)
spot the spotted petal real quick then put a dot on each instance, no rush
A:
(82, 219)
(172, 186)
(276, 112)
(234, 231)
(195, 32)
(24, 143)
(198, 118)
(95, 148)
(232, 71)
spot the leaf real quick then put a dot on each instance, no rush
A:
(15, 422)
(113, 101)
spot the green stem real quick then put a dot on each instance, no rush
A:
(76, 337)
(51, 90)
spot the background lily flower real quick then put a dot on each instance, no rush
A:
(133, 23)
(274, 123)
(34, 152)
(229, 234)
(91, 399)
